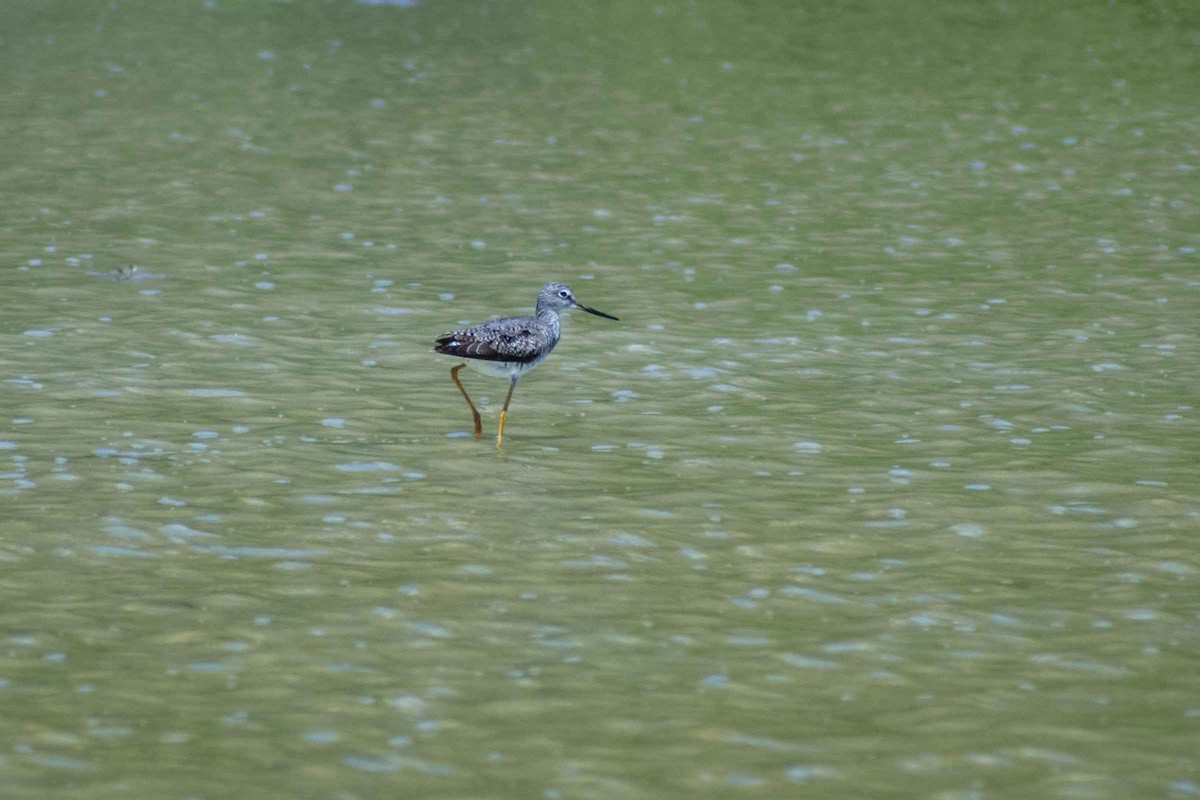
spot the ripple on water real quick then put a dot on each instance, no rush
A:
(968, 529)
(120, 552)
(1080, 665)
(393, 763)
(804, 772)
(215, 392)
(813, 594)
(240, 339)
(431, 629)
(409, 704)
(808, 662)
(233, 551)
(366, 466)
(177, 531)
(631, 540)
(113, 526)
(61, 762)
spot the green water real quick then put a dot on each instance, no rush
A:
(883, 486)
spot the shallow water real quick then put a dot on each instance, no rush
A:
(884, 484)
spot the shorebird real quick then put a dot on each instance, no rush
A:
(508, 347)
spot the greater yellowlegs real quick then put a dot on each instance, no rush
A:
(508, 347)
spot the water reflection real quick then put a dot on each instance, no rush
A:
(129, 272)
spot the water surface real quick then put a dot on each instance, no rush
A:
(883, 486)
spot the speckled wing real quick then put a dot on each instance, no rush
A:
(516, 341)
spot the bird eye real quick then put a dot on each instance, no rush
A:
(564, 294)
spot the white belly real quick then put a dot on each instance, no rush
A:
(502, 369)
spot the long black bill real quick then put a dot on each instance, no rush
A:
(582, 307)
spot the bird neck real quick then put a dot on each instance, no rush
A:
(549, 317)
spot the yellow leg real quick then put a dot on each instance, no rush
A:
(504, 411)
(474, 412)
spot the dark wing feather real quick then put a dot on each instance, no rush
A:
(518, 343)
